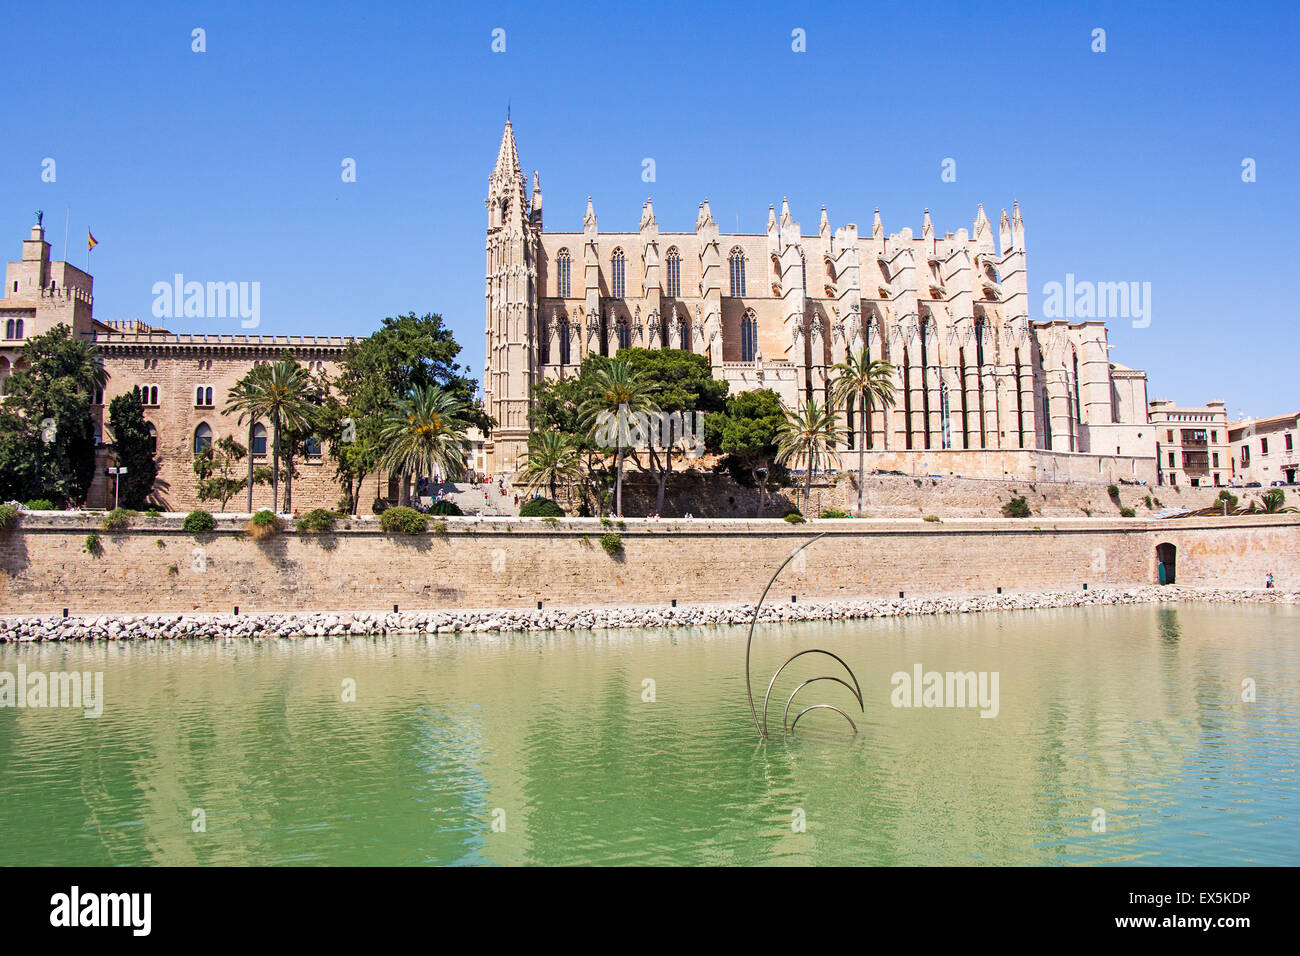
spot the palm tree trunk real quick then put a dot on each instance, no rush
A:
(618, 479)
(807, 488)
(275, 462)
(288, 483)
(862, 457)
(250, 465)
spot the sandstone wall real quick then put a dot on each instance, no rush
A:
(154, 566)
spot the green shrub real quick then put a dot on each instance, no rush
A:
(172, 571)
(199, 522)
(92, 544)
(379, 506)
(403, 520)
(540, 508)
(8, 516)
(446, 507)
(316, 521)
(1147, 502)
(119, 519)
(1113, 491)
(1158, 503)
(153, 513)
(1016, 508)
(263, 524)
(835, 513)
(1230, 498)
(553, 522)
(605, 522)
(612, 543)
(933, 518)
(161, 544)
(40, 504)
(439, 528)
(1127, 513)
(794, 517)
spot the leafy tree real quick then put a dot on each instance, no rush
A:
(809, 435)
(47, 434)
(406, 354)
(747, 435)
(681, 383)
(870, 383)
(215, 467)
(134, 449)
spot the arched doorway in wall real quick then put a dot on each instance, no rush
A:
(1166, 563)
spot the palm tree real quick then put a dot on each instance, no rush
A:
(552, 457)
(872, 384)
(279, 392)
(424, 434)
(617, 391)
(808, 435)
(1271, 502)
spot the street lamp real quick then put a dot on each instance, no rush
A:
(117, 473)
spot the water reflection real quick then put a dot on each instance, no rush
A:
(540, 748)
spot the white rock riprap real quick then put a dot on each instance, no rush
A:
(150, 627)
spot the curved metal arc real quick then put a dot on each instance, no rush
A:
(749, 641)
(785, 714)
(790, 660)
(824, 707)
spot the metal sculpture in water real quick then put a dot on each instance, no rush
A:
(855, 688)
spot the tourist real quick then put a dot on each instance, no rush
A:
(1269, 582)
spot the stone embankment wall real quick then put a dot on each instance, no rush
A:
(154, 566)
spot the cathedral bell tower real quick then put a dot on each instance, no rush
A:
(508, 373)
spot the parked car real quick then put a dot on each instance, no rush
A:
(1253, 484)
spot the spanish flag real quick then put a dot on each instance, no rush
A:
(91, 242)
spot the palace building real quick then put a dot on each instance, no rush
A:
(983, 390)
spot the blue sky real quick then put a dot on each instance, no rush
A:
(225, 165)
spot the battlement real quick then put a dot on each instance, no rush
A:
(136, 333)
(66, 293)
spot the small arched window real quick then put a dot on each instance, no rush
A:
(259, 441)
(674, 273)
(563, 271)
(9, 329)
(748, 336)
(618, 274)
(312, 446)
(737, 261)
(202, 438)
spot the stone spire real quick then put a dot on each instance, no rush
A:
(1004, 231)
(877, 227)
(589, 220)
(786, 220)
(1017, 226)
(927, 227)
(648, 214)
(535, 205)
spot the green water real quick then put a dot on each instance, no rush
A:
(1136, 712)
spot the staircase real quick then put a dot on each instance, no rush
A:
(470, 498)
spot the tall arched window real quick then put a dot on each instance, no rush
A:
(624, 333)
(202, 438)
(1078, 407)
(563, 265)
(674, 273)
(259, 441)
(686, 337)
(803, 261)
(9, 329)
(1047, 420)
(618, 274)
(564, 341)
(737, 260)
(153, 439)
(748, 336)
(14, 329)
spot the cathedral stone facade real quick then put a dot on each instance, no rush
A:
(983, 390)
